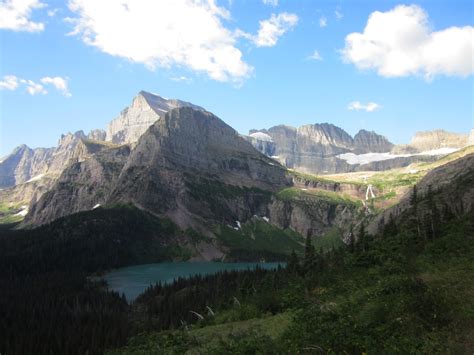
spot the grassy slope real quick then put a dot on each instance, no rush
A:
(206, 339)
(8, 213)
(259, 239)
(403, 301)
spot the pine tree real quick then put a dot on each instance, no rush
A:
(362, 239)
(414, 205)
(293, 265)
(309, 255)
(351, 241)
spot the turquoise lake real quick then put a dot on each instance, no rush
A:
(133, 280)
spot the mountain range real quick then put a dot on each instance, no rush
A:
(175, 160)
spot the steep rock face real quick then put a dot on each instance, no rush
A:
(470, 140)
(81, 186)
(97, 135)
(23, 164)
(314, 217)
(262, 142)
(310, 148)
(193, 163)
(431, 140)
(134, 120)
(371, 142)
(316, 149)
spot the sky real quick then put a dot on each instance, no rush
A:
(392, 67)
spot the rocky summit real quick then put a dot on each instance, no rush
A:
(133, 121)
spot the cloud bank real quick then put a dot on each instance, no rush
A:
(400, 43)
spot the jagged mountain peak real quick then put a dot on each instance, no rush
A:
(371, 142)
(134, 120)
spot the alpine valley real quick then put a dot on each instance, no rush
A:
(378, 238)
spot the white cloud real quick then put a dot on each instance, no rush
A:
(323, 21)
(15, 15)
(339, 15)
(400, 42)
(357, 106)
(165, 33)
(52, 13)
(59, 83)
(181, 79)
(9, 82)
(270, 2)
(272, 29)
(316, 56)
(34, 88)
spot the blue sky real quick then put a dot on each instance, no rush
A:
(68, 66)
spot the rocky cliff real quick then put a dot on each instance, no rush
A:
(315, 148)
(470, 140)
(325, 148)
(371, 142)
(23, 164)
(133, 121)
(433, 140)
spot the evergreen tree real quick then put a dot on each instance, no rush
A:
(414, 205)
(293, 265)
(309, 255)
(351, 240)
(362, 240)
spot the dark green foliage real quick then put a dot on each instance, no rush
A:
(171, 306)
(258, 240)
(47, 303)
(378, 299)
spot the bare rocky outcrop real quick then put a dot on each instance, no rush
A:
(133, 121)
(315, 148)
(470, 140)
(432, 140)
(319, 148)
(82, 186)
(23, 164)
(371, 142)
(312, 217)
(97, 135)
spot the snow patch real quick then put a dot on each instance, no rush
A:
(266, 219)
(355, 159)
(36, 178)
(261, 136)
(440, 151)
(96, 206)
(239, 226)
(23, 212)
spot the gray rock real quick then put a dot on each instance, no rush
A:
(133, 121)
(97, 135)
(371, 142)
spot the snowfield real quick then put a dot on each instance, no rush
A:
(356, 159)
(261, 136)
